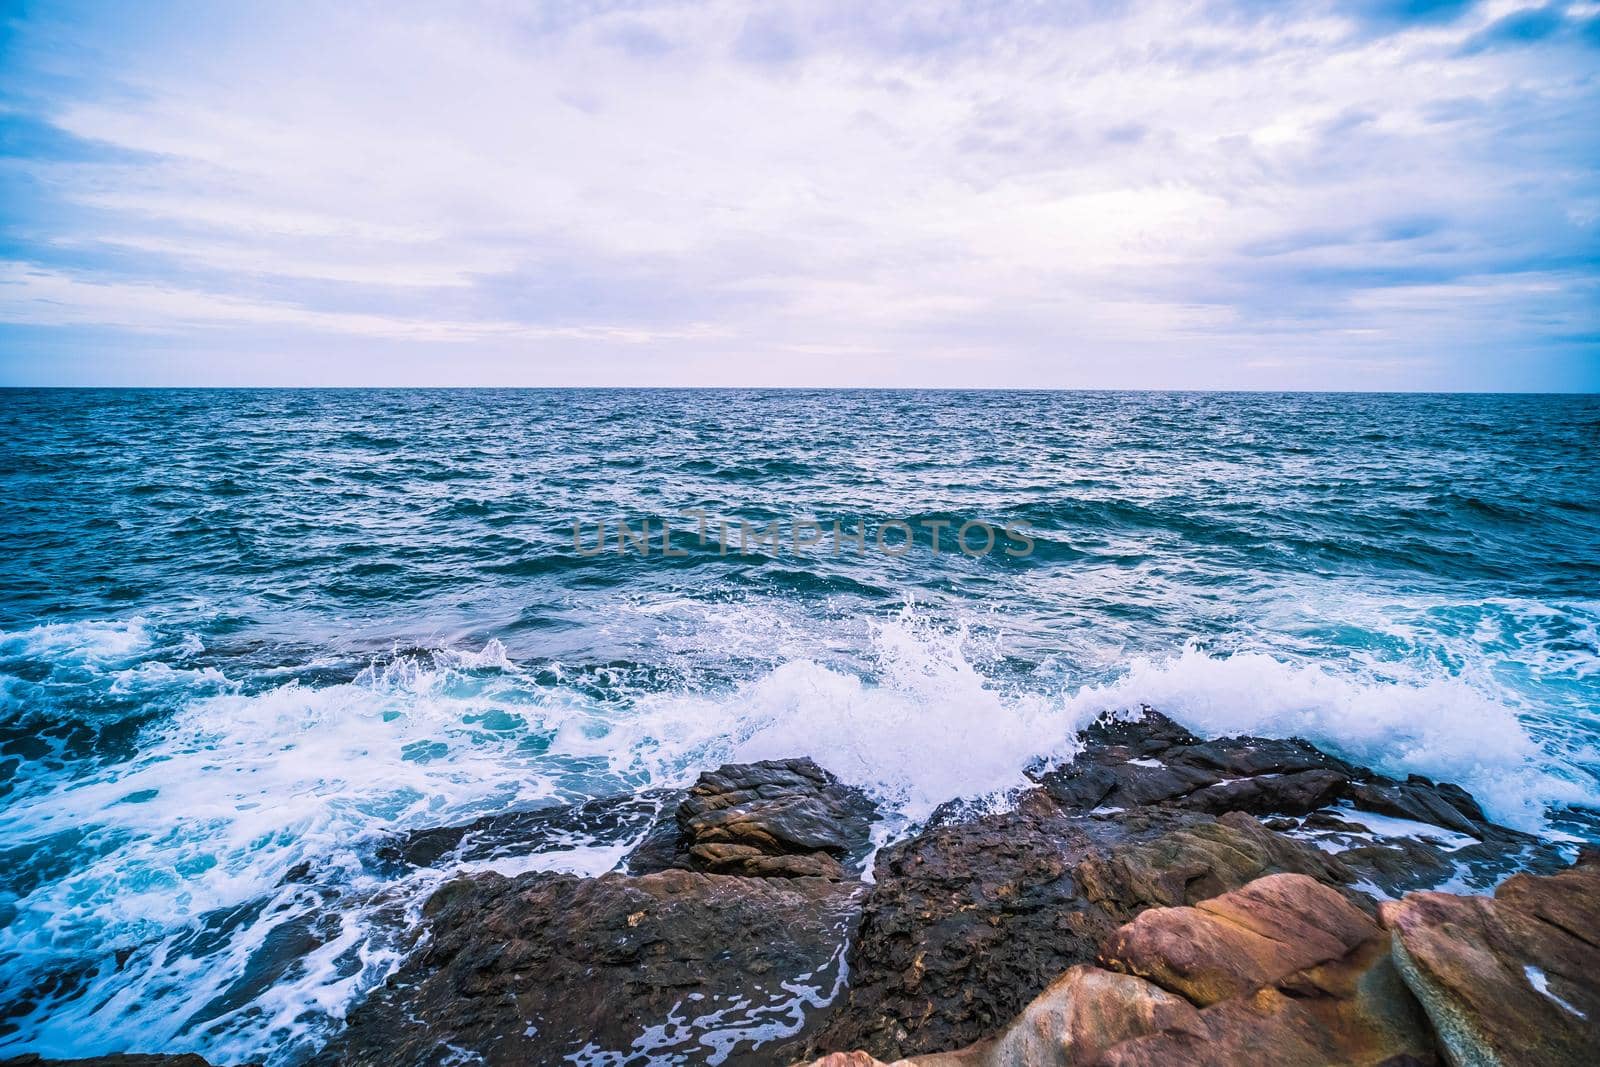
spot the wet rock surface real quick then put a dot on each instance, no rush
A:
(1513, 978)
(1379, 827)
(553, 828)
(544, 966)
(1162, 899)
(1287, 973)
(773, 819)
(970, 920)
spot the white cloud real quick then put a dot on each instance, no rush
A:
(839, 177)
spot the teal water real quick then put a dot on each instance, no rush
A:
(244, 633)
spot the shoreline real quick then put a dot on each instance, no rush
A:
(756, 920)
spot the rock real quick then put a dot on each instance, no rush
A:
(1079, 1016)
(1233, 944)
(1305, 980)
(544, 966)
(968, 921)
(1509, 978)
(1420, 800)
(1128, 763)
(773, 819)
(1295, 793)
(1352, 1012)
(526, 833)
(1201, 859)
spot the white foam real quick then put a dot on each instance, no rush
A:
(931, 728)
(92, 642)
(235, 787)
(1537, 978)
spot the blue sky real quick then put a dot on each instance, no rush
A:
(1350, 195)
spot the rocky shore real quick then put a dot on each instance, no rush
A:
(1162, 899)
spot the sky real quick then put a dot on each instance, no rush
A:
(1342, 194)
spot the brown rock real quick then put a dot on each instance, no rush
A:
(1352, 1012)
(968, 921)
(1080, 1015)
(540, 967)
(1510, 979)
(1235, 943)
(1203, 859)
(772, 819)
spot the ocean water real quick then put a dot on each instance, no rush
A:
(243, 634)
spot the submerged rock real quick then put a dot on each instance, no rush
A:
(1513, 978)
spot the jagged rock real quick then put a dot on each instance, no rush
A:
(1080, 1015)
(1233, 944)
(1421, 800)
(1393, 865)
(1201, 859)
(1133, 763)
(739, 893)
(968, 921)
(544, 966)
(1128, 763)
(1510, 978)
(772, 819)
(1347, 1007)
(1352, 1012)
(525, 833)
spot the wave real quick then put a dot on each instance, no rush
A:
(181, 859)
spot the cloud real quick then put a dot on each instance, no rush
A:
(975, 193)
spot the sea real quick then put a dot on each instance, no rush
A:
(248, 635)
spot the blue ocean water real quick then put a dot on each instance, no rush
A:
(244, 633)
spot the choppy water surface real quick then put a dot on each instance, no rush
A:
(246, 632)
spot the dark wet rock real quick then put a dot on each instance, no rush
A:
(1392, 865)
(1510, 978)
(772, 819)
(1421, 800)
(1293, 793)
(968, 921)
(545, 966)
(1132, 762)
(552, 828)
(1128, 763)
